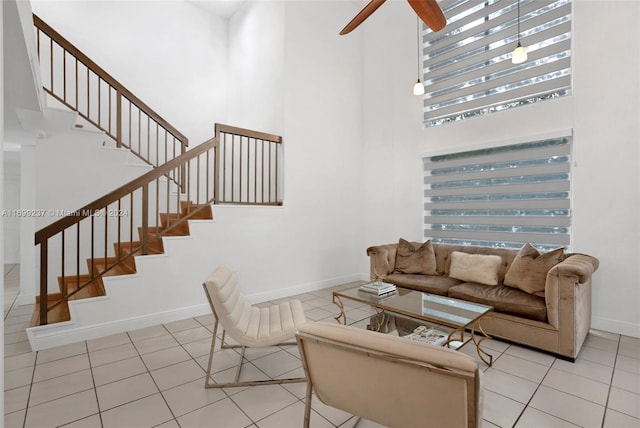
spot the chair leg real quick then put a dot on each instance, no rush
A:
(307, 405)
(240, 364)
(208, 381)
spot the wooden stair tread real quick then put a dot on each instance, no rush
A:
(94, 289)
(58, 314)
(205, 213)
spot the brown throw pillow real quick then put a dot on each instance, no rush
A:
(411, 260)
(528, 271)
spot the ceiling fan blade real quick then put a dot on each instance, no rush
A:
(371, 7)
(430, 12)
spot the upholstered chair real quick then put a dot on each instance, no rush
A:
(248, 325)
(393, 381)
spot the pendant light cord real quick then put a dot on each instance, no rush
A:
(518, 21)
(418, 39)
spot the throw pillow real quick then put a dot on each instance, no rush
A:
(528, 271)
(420, 260)
(479, 268)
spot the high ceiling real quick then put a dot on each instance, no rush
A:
(222, 8)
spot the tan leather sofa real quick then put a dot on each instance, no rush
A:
(556, 319)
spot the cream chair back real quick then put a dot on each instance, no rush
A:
(390, 380)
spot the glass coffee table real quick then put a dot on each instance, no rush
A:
(402, 311)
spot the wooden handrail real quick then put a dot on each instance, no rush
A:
(69, 47)
(89, 209)
(77, 82)
(228, 129)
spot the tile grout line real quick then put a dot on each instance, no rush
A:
(613, 373)
(153, 379)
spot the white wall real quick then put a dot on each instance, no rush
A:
(285, 81)
(274, 84)
(603, 113)
(172, 55)
(11, 201)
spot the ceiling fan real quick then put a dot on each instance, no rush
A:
(428, 10)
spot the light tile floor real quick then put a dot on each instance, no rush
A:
(154, 378)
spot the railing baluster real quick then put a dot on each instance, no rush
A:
(78, 254)
(64, 74)
(88, 95)
(106, 236)
(44, 292)
(197, 180)
(255, 170)
(131, 223)
(262, 168)
(99, 101)
(51, 63)
(63, 288)
(76, 83)
(224, 168)
(93, 265)
(118, 119)
(145, 219)
(119, 240)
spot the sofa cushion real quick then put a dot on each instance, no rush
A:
(528, 272)
(475, 267)
(426, 283)
(504, 299)
(409, 259)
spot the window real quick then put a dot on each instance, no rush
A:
(467, 69)
(500, 197)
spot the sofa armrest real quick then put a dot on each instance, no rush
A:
(382, 259)
(568, 300)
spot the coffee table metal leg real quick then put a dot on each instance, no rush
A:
(338, 303)
(452, 337)
(478, 342)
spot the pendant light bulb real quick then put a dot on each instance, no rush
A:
(519, 54)
(418, 88)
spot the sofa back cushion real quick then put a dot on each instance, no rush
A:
(528, 272)
(411, 259)
(479, 268)
(443, 256)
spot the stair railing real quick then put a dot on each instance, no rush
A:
(131, 220)
(250, 167)
(108, 224)
(76, 81)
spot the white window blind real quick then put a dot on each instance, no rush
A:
(500, 197)
(467, 65)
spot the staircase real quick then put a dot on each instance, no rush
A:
(95, 275)
(87, 285)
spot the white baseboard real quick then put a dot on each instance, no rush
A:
(48, 336)
(615, 326)
(302, 288)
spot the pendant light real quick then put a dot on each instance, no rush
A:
(519, 54)
(418, 88)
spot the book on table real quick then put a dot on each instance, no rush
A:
(428, 335)
(378, 288)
